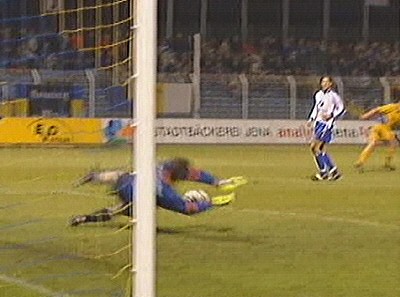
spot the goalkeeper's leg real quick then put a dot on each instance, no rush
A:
(104, 177)
(102, 215)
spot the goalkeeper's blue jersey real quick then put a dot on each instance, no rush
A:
(165, 191)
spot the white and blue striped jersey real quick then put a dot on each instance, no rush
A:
(326, 103)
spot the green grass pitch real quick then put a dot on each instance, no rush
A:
(284, 236)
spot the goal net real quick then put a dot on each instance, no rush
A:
(86, 49)
(80, 46)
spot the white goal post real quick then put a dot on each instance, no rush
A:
(144, 79)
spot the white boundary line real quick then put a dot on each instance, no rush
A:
(37, 288)
(313, 216)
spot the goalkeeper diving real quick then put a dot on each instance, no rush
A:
(168, 174)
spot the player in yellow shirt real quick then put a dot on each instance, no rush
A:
(389, 115)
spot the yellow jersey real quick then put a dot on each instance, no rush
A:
(391, 114)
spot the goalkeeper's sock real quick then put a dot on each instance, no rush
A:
(106, 177)
(102, 215)
(109, 177)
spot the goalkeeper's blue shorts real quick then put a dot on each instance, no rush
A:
(322, 132)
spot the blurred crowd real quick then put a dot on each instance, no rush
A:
(36, 44)
(35, 48)
(269, 55)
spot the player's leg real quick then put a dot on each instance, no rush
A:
(103, 215)
(332, 169)
(319, 161)
(322, 136)
(104, 177)
(366, 153)
(126, 191)
(325, 164)
(392, 147)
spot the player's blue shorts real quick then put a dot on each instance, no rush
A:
(322, 132)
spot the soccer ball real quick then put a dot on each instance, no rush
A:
(196, 196)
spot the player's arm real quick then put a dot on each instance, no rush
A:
(205, 177)
(201, 176)
(314, 110)
(370, 114)
(339, 108)
(336, 110)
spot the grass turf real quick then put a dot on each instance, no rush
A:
(284, 236)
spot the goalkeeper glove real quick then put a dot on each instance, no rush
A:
(231, 184)
(222, 199)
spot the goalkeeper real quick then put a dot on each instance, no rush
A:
(167, 197)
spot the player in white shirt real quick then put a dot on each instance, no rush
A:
(327, 108)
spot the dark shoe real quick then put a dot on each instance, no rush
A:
(75, 221)
(86, 179)
(359, 167)
(335, 175)
(319, 177)
(389, 167)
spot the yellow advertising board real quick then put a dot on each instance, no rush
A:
(50, 131)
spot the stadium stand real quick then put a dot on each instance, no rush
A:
(306, 87)
(51, 48)
(220, 97)
(88, 47)
(363, 92)
(268, 97)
